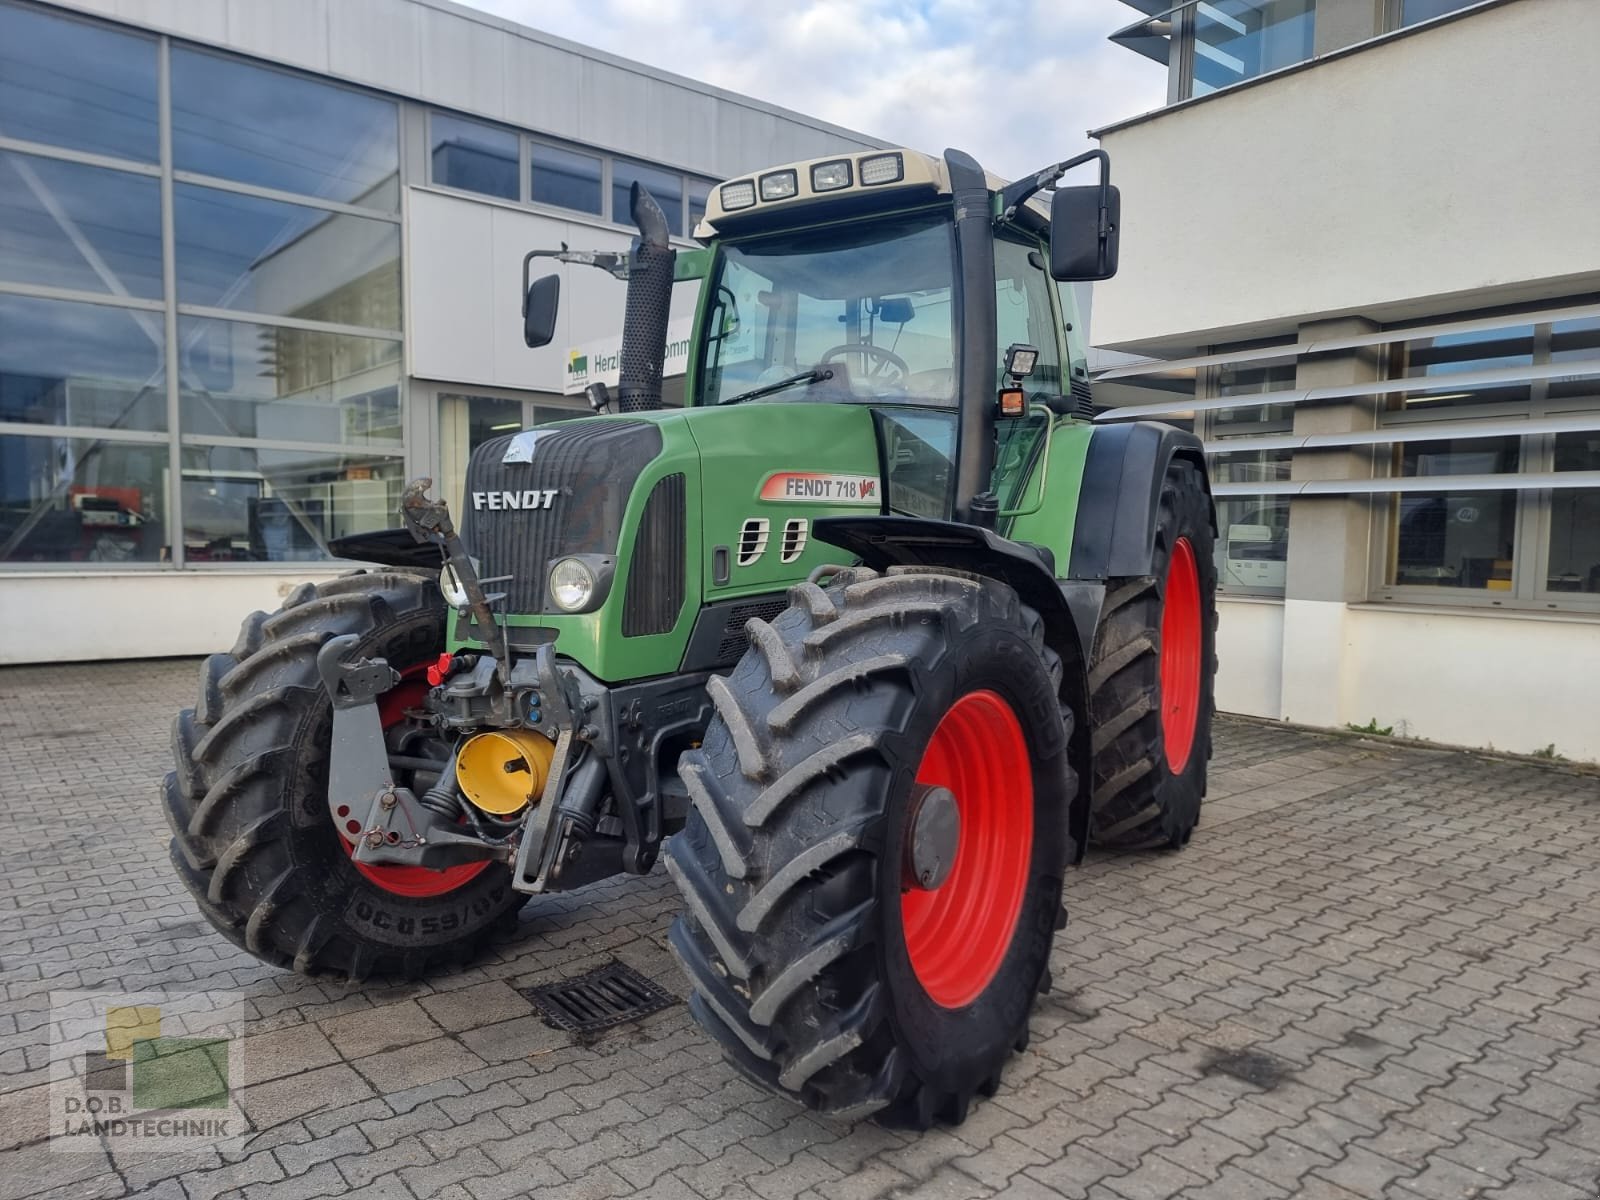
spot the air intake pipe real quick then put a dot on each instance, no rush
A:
(644, 323)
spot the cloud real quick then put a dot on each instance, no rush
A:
(1016, 84)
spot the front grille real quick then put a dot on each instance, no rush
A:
(591, 469)
(656, 579)
(734, 639)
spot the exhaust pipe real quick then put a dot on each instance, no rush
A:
(644, 323)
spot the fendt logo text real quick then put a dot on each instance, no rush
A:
(500, 501)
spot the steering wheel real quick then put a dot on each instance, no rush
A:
(884, 359)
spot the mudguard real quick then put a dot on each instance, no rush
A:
(391, 547)
(1114, 533)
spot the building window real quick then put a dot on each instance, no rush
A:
(1235, 40)
(1523, 546)
(1446, 369)
(241, 380)
(255, 125)
(1456, 537)
(1573, 550)
(82, 500)
(666, 187)
(1252, 546)
(66, 225)
(265, 256)
(248, 504)
(564, 178)
(1414, 11)
(85, 365)
(473, 157)
(77, 85)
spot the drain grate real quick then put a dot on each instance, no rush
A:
(610, 995)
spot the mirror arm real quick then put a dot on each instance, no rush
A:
(1016, 194)
(612, 262)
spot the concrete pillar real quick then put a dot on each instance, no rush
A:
(1330, 537)
(1342, 23)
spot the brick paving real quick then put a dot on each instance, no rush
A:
(1375, 973)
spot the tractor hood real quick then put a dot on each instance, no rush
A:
(675, 510)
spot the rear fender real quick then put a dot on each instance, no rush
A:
(390, 547)
(1069, 608)
(1114, 534)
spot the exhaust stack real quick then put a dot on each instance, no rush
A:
(644, 324)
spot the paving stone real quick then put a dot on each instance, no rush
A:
(1426, 974)
(371, 1030)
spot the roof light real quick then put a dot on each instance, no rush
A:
(780, 185)
(882, 168)
(830, 176)
(738, 195)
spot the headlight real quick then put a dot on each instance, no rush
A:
(572, 585)
(450, 588)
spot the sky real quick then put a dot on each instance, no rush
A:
(1015, 83)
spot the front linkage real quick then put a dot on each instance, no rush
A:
(578, 739)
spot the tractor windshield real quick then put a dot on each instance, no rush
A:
(849, 312)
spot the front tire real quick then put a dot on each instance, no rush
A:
(253, 839)
(821, 968)
(1152, 677)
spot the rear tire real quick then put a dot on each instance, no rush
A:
(253, 839)
(1151, 680)
(815, 964)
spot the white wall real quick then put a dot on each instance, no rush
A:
(1507, 680)
(107, 615)
(1517, 682)
(1250, 656)
(1411, 176)
(464, 284)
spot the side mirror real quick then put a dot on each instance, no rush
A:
(1084, 232)
(539, 311)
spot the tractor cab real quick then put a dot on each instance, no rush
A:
(921, 287)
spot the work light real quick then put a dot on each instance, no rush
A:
(882, 168)
(738, 195)
(779, 185)
(830, 176)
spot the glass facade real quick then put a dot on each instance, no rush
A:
(77, 85)
(278, 426)
(1235, 40)
(283, 131)
(1414, 11)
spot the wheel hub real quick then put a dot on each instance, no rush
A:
(973, 809)
(933, 832)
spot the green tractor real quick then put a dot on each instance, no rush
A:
(872, 636)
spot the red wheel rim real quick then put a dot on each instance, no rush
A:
(958, 933)
(1180, 656)
(417, 882)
